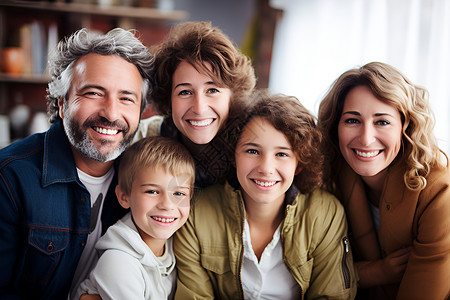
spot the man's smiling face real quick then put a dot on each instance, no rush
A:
(102, 111)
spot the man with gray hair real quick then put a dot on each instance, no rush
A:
(57, 188)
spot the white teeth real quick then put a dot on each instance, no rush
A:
(164, 220)
(265, 183)
(201, 123)
(106, 131)
(367, 154)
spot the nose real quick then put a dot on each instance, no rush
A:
(367, 135)
(266, 165)
(199, 105)
(111, 108)
(165, 201)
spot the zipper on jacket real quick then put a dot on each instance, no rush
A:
(241, 252)
(302, 296)
(345, 270)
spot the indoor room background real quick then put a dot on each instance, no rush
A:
(299, 47)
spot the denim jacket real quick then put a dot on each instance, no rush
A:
(44, 216)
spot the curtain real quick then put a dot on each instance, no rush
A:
(317, 40)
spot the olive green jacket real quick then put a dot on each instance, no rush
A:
(209, 247)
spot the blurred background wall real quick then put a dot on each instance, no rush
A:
(298, 47)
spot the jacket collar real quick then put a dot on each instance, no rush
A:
(351, 192)
(353, 197)
(58, 162)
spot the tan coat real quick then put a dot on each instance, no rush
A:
(407, 218)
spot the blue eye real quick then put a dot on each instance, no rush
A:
(179, 194)
(151, 192)
(184, 92)
(213, 90)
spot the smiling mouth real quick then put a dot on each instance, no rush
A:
(264, 183)
(201, 123)
(164, 220)
(367, 154)
(106, 131)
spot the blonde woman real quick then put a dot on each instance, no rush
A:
(385, 166)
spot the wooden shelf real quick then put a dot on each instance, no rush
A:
(23, 78)
(93, 9)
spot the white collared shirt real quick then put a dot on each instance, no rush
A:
(269, 278)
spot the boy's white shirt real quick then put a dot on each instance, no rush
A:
(128, 269)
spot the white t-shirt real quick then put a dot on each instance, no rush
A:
(89, 257)
(269, 278)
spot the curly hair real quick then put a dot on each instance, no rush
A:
(199, 43)
(289, 116)
(120, 42)
(419, 148)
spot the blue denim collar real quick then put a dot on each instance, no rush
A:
(58, 162)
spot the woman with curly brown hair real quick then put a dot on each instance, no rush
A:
(199, 74)
(384, 164)
(260, 235)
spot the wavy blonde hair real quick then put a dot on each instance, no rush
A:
(419, 149)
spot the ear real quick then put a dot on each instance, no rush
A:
(298, 169)
(61, 107)
(123, 198)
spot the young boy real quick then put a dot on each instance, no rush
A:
(263, 237)
(156, 178)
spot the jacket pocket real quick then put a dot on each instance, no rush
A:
(48, 241)
(42, 257)
(226, 285)
(302, 273)
(216, 264)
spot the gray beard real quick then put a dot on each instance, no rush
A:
(87, 147)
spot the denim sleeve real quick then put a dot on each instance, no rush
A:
(9, 241)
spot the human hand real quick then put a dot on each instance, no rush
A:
(383, 271)
(90, 297)
(394, 265)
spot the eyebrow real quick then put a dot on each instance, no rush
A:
(259, 146)
(190, 84)
(355, 113)
(91, 86)
(183, 187)
(98, 87)
(150, 185)
(159, 186)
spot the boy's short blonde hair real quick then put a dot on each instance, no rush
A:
(155, 152)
